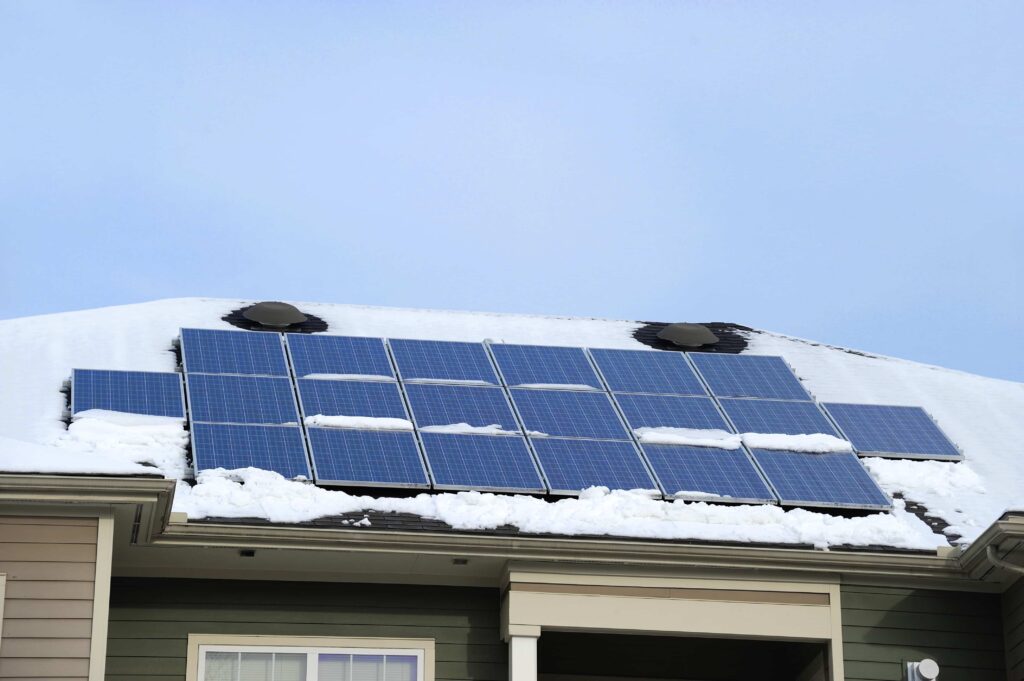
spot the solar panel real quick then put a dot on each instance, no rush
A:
(351, 398)
(481, 462)
(672, 411)
(749, 376)
(833, 479)
(241, 399)
(272, 448)
(211, 351)
(543, 366)
(567, 413)
(443, 405)
(135, 392)
(725, 472)
(352, 356)
(637, 371)
(777, 416)
(443, 361)
(892, 431)
(574, 465)
(376, 458)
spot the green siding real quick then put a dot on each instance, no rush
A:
(1013, 627)
(150, 620)
(883, 628)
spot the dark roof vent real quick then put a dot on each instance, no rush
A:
(688, 335)
(273, 314)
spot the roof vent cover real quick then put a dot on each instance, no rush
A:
(688, 335)
(274, 314)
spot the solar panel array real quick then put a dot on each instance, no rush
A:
(355, 411)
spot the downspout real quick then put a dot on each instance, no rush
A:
(990, 553)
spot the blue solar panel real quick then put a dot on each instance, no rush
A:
(636, 371)
(386, 458)
(135, 392)
(272, 448)
(339, 355)
(834, 479)
(775, 416)
(233, 352)
(655, 411)
(726, 472)
(889, 430)
(749, 376)
(433, 404)
(537, 365)
(241, 399)
(351, 398)
(566, 413)
(481, 462)
(442, 361)
(574, 465)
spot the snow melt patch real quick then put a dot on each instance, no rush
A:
(466, 429)
(361, 422)
(814, 442)
(693, 437)
(252, 492)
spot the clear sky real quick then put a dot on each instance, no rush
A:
(849, 172)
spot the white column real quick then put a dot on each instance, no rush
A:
(522, 657)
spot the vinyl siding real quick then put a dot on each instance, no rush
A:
(883, 628)
(150, 620)
(51, 566)
(1013, 628)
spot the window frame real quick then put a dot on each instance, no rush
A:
(200, 644)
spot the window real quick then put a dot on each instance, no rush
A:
(266, 658)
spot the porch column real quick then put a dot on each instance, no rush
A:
(522, 653)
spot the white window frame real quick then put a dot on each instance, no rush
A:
(200, 644)
(3, 594)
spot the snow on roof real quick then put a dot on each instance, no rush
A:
(982, 415)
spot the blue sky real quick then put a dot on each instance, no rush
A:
(845, 172)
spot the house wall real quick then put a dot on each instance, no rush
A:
(150, 620)
(883, 628)
(1013, 629)
(50, 564)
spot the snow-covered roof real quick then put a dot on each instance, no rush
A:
(984, 416)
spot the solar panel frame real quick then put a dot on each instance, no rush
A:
(193, 381)
(604, 359)
(181, 390)
(412, 388)
(953, 453)
(719, 379)
(531, 394)
(200, 431)
(314, 434)
(428, 441)
(397, 355)
(657, 454)
(299, 356)
(188, 336)
(514, 365)
(538, 445)
(780, 409)
(382, 386)
(770, 460)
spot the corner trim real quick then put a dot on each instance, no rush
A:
(101, 597)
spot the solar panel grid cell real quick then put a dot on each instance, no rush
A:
(777, 416)
(571, 466)
(354, 356)
(442, 361)
(481, 462)
(564, 413)
(272, 448)
(536, 365)
(213, 351)
(654, 411)
(351, 398)
(134, 392)
(892, 430)
(343, 456)
(749, 376)
(833, 479)
(725, 472)
(636, 371)
(442, 405)
(241, 399)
